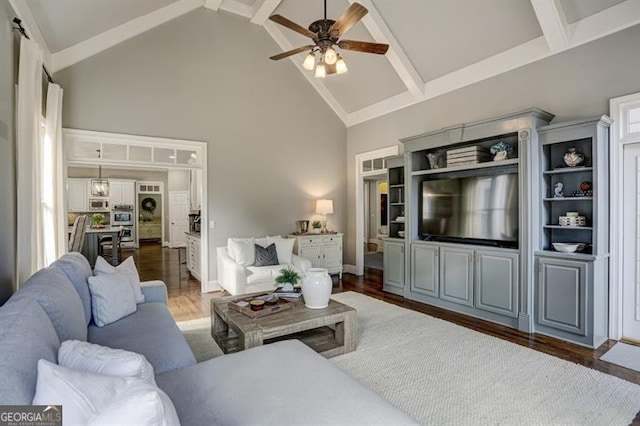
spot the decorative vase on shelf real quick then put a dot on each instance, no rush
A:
(316, 288)
(573, 158)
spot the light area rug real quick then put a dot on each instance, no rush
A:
(198, 335)
(444, 374)
(624, 355)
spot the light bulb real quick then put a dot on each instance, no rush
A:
(341, 66)
(309, 61)
(330, 56)
(321, 72)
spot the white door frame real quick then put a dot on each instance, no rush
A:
(206, 285)
(618, 140)
(378, 153)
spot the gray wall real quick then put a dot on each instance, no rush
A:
(178, 180)
(577, 83)
(8, 64)
(274, 146)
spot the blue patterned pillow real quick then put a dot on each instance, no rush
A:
(266, 256)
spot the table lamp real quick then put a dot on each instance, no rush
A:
(324, 207)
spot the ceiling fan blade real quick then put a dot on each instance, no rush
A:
(364, 46)
(278, 19)
(291, 52)
(351, 16)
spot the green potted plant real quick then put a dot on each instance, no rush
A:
(288, 278)
(97, 218)
(316, 225)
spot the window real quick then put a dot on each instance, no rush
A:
(634, 120)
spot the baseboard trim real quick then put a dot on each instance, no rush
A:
(350, 269)
(211, 287)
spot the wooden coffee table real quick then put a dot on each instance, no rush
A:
(330, 331)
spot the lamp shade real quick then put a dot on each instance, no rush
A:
(324, 206)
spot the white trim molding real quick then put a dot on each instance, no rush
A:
(94, 45)
(553, 23)
(360, 240)
(619, 138)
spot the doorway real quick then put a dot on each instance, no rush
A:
(135, 154)
(624, 287)
(368, 164)
(376, 220)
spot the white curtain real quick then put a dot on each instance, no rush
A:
(54, 224)
(30, 253)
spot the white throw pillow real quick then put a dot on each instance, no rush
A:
(243, 249)
(112, 298)
(92, 358)
(284, 248)
(126, 268)
(97, 399)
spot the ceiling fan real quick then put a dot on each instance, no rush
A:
(326, 34)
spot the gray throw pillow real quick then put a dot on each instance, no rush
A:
(266, 256)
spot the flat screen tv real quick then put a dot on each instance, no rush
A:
(477, 210)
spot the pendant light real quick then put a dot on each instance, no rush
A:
(99, 187)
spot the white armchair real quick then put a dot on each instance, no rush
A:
(238, 279)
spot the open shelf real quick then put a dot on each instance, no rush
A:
(569, 228)
(486, 164)
(568, 170)
(568, 199)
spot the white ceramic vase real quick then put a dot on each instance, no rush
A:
(316, 288)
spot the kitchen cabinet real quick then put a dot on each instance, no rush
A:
(78, 195)
(149, 230)
(193, 254)
(456, 275)
(496, 282)
(122, 192)
(323, 250)
(393, 266)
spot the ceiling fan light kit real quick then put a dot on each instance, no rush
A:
(326, 34)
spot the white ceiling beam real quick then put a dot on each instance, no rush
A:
(395, 55)
(238, 8)
(262, 10)
(609, 21)
(117, 35)
(602, 24)
(553, 23)
(212, 4)
(322, 90)
(23, 11)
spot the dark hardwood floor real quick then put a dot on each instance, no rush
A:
(186, 302)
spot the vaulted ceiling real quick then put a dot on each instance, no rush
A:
(436, 46)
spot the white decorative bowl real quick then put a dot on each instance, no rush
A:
(568, 247)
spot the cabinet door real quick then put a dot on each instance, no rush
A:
(424, 269)
(456, 275)
(78, 195)
(313, 253)
(129, 193)
(393, 264)
(332, 256)
(115, 193)
(497, 282)
(562, 294)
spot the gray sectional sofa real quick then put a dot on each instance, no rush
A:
(281, 383)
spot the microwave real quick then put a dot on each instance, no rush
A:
(98, 204)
